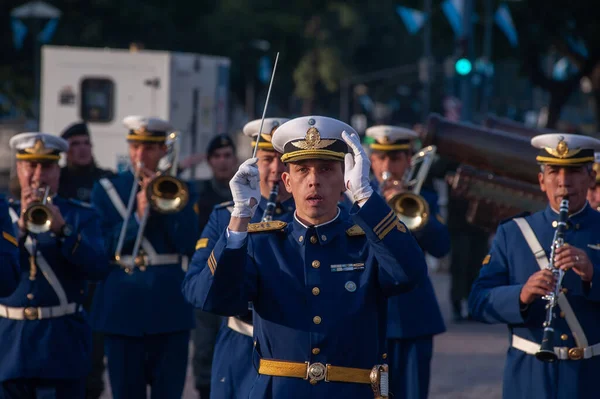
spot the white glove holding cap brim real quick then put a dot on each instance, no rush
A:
(244, 187)
(357, 168)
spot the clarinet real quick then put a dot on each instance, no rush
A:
(546, 352)
(268, 215)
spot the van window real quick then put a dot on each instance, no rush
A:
(97, 100)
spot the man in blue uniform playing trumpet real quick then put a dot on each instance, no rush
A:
(139, 306)
(46, 342)
(319, 284)
(233, 373)
(522, 273)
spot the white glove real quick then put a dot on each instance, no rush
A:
(244, 187)
(357, 167)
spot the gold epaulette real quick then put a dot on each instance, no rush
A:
(266, 226)
(355, 230)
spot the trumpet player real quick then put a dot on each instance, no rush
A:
(415, 317)
(9, 252)
(46, 340)
(593, 196)
(527, 267)
(232, 372)
(139, 307)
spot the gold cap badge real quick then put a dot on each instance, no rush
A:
(39, 148)
(562, 148)
(312, 140)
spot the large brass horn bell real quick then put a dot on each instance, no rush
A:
(410, 207)
(167, 194)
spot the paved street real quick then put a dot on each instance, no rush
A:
(468, 359)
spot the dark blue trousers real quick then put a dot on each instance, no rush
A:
(158, 360)
(410, 367)
(233, 372)
(39, 388)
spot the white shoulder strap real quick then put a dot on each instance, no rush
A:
(13, 215)
(113, 195)
(48, 273)
(111, 191)
(542, 260)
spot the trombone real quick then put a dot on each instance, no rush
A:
(166, 194)
(37, 216)
(410, 207)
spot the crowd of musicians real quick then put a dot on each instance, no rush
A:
(305, 268)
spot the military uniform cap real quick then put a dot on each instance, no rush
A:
(219, 141)
(312, 137)
(76, 129)
(269, 126)
(390, 138)
(38, 147)
(564, 149)
(148, 130)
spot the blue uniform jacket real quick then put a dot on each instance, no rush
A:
(417, 313)
(495, 299)
(56, 347)
(319, 293)
(150, 301)
(9, 252)
(232, 371)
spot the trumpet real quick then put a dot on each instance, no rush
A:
(546, 352)
(410, 207)
(37, 216)
(165, 193)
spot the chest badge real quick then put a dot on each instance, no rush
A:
(350, 286)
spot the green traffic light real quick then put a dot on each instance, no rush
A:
(463, 66)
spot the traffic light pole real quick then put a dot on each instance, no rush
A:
(466, 87)
(487, 55)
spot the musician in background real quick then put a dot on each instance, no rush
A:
(593, 196)
(139, 307)
(9, 252)
(46, 341)
(222, 159)
(233, 372)
(319, 284)
(77, 178)
(410, 333)
(514, 278)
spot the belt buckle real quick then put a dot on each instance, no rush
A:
(141, 261)
(379, 381)
(316, 372)
(30, 313)
(576, 353)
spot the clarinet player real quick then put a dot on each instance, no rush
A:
(516, 283)
(232, 372)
